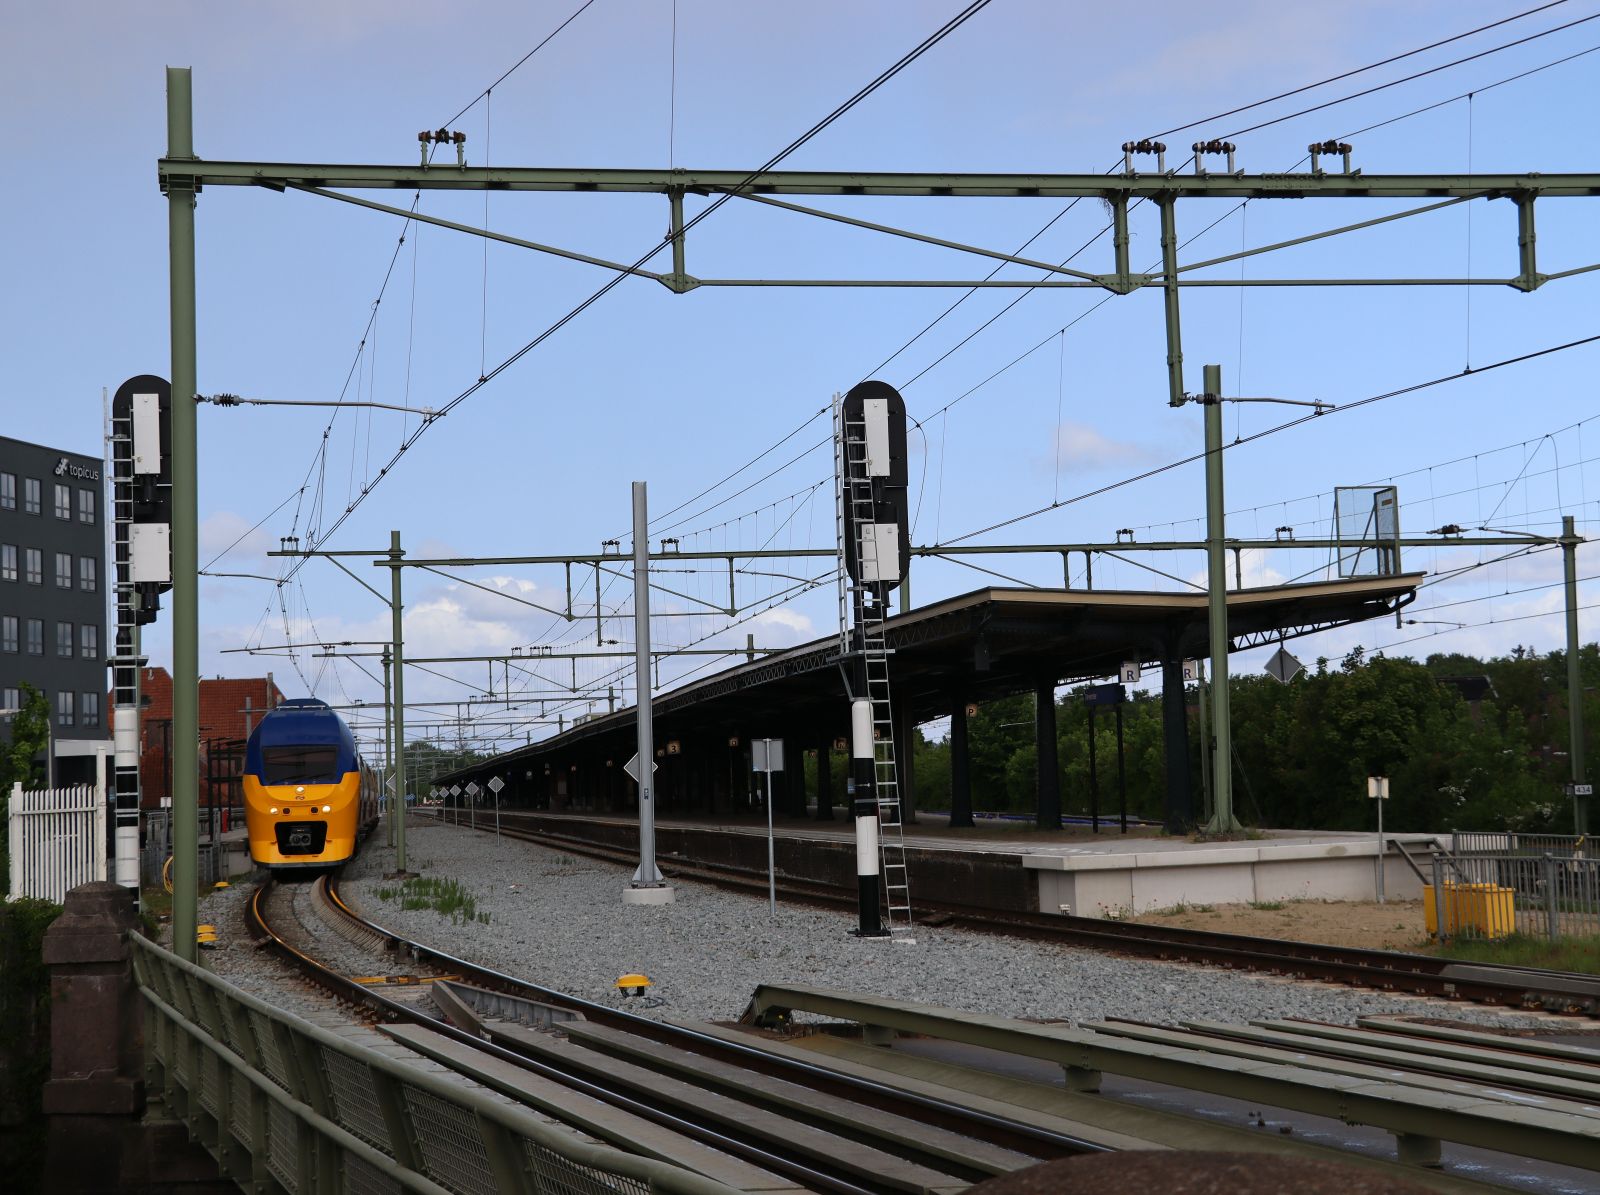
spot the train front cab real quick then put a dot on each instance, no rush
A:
(304, 827)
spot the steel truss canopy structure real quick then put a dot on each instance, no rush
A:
(979, 646)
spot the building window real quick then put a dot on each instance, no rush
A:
(63, 501)
(89, 703)
(63, 570)
(8, 493)
(30, 495)
(89, 641)
(35, 559)
(87, 569)
(12, 699)
(85, 506)
(36, 636)
(8, 637)
(8, 562)
(64, 708)
(64, 639)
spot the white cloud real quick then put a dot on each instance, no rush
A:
(1256, 572)
(227, 532)
(1083, 447)
(782, 627)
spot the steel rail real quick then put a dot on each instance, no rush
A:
(390, 1011)
(1562, 992)
(997, 1130)
(1011, 1134)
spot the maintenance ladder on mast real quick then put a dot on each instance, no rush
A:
(871, 612)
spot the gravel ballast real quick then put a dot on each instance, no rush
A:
(558, 920)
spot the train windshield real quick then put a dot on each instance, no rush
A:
(302, 764)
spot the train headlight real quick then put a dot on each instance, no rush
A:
(327, 809)
(274, 810)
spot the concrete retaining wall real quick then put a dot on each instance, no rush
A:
(1113, 885)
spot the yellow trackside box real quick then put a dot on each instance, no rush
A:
(1489, 909)
(1484, 910)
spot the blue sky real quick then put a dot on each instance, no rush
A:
(681, 390)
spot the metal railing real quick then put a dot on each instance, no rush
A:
(1512, 842)
(1492, 895)
(284, 1105)
(157, 849)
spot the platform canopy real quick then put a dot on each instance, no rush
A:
(979, 646)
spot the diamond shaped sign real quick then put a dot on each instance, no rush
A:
(472, 788)
(455, 790)
(1283, 666)
(496, 784)
(632, 768)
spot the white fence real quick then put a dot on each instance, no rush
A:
(57, 840)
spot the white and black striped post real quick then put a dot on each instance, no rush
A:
(863, 774)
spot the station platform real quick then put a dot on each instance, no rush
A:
(1004, 864)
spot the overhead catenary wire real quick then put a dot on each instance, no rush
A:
(1244, 108)
(1281, 427)
(1536, 10)
(1393, 58)
(462, 396)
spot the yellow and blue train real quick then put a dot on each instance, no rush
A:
(308, 796)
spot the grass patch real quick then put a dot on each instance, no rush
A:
(1183, 906)
(1523, 950)
(446, 897)
(1266, 906)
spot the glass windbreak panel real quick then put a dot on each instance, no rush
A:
(300, 765)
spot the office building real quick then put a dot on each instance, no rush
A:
(54, 587)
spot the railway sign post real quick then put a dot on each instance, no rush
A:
(472, 803)
(495, 785)
(455, 799)
(1378, 790)
(766, 755)
(647, 886)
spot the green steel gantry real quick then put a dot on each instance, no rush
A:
(183, 176)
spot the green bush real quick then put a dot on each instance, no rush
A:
(24, 1038)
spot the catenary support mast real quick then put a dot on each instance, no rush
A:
(185, 525)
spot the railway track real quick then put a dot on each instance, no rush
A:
(1520, 988)
(810, 1126)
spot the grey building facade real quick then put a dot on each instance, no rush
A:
(54, 583)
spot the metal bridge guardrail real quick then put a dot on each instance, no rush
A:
(284, 1105)
(1419, 1119)
(1491, 896)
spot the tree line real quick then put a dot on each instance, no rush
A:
(1303, 750)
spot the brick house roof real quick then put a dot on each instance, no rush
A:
(229, 709)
